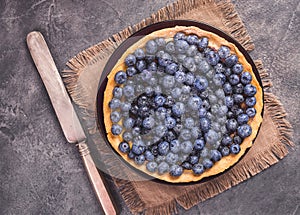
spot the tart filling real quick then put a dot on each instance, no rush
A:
(182, 104)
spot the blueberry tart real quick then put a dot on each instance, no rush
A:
(182, 104)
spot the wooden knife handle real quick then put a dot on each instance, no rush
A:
(96, 180)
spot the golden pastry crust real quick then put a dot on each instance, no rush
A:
(215, 41)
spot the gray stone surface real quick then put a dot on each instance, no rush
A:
(40, 173)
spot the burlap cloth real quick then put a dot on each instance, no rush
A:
(155, 197)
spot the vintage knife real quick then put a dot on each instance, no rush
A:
(66, 114)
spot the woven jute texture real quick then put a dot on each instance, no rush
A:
(152, 196)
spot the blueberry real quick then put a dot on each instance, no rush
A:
(194, 102)
(161, 43)
(151, 166)
(159, 100)
(250, 90)
(175, 146)
(139, 54)
(171, 68)
(165, 59)
(238, 98)
(116, 129)
(117, 92)
(161, 113)
(224, 52)
(139, 160)
(170, 47)
(152, 66)
(168, 81)
(246, 78)
(127, 136)
(195, 131)
(185, 134)
(220, 93)
(193, 159)
(128, 91)
(170, 122)
(189, 63)
(231, 125)
(198, 169)
(225, 151)
(219, 68)
(178, 109)
(149, 91)
(120, 77)
(115, 116)
(141, 65)
(189, 122)
(151, 47)
(202, 112)
(171, 158)
(227, 72)
(146, 75)
(176, 170)
(181, 46)
(242, 118)
(186, 89)
(211, 137)
(192, 51)
(130, 60)
(238, 89)
(169, 102)
(207, 163)
(136, 131)
(222, 111)
(176, 92)
(131, 71)
(149, 58)
(163, 148)
(189, 78)
(212, 58)
(235, 148)
(187, 165)
(237, 110)
(186, 147)
(192, 39)
(206, 51)
(203, 43)
(251, 112)
(124, 147)
(201, 83)
(244, 130)
(149, 156)
(215, 155)
(199, 144)
(237, 140)
(179, 36)
(170, 135)
(163, 167)
(138, 147)
(131, 155)
(226, 140)
(234, 79)
(148, 122)
(128, 123)
(205, 124)
(204, 67)
(237, 69)
(219, 79)
(142, 101)
(231, 60)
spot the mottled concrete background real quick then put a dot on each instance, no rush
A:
(41, 174)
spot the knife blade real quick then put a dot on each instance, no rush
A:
(66, 114)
